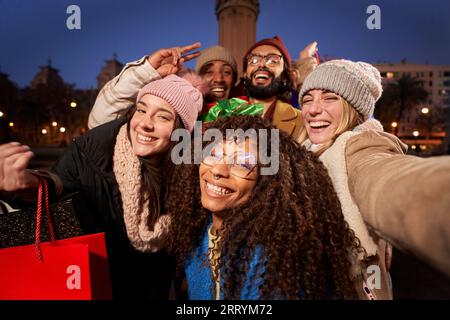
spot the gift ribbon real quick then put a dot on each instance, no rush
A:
(232, 107)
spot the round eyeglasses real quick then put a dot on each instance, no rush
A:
(240, 164)
(271, 59)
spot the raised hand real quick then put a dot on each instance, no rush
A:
(309, 51)
(170, 61)
(14, 159)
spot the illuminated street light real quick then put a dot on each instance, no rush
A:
(44, 131)
(62, 129)
(394, 124)
(416, 133)
(1, 114)
(413, 147)
(11, 124)
(425, 110)
(54, 123)
(73, 104)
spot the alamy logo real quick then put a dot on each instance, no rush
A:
(374, 20)
(73, 21)
(374, 280)
(74, 280)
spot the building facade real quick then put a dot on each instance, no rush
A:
(435, 80)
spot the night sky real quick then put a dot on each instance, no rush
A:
(31, 32)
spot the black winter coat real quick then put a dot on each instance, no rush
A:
(87, 167)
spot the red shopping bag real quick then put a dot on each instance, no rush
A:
(69, 269)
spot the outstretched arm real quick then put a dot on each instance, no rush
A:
(119, 93)
(404, 199)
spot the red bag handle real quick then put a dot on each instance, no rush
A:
(43, 193)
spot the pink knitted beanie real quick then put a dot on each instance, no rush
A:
(185, 95)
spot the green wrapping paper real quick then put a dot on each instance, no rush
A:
(232, 107)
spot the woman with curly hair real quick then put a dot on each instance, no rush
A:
(239, 234)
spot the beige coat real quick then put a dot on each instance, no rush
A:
(387, 195)
(403, 199)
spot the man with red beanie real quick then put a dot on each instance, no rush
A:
(268, 81)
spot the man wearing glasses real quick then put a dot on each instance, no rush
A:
(268, 80)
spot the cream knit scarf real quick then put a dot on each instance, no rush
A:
(127, 169)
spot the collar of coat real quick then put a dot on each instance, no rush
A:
(287, 119)
(127, 169)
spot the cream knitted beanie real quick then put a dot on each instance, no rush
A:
(216, 53)
(359, 83)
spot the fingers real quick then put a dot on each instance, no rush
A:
(191, 47)
(389, 255)
(309, 50)
(14, 158)
(176, 55)
(22, 162)
(191, 56)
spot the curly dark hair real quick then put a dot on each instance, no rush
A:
(294, 215)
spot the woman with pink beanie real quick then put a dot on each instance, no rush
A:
(122, 171)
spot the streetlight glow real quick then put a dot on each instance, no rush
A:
(62, 129)
(11, 124)
(425, 110)
(73, 104)
(416, 133)
(44, 131)
(1, 114)
(54, 123)
(394, 124)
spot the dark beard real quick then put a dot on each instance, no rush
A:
(274, 89)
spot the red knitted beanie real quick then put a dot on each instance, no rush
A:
(275, 42)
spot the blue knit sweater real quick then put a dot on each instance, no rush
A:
(199, 275)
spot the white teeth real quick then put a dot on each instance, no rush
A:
(317, 124)
(261, 76)
(217, 189)
(144, 138)
(217, 90)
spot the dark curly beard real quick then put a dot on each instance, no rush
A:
(274, 89)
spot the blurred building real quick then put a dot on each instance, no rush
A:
(435, 80)
(237, 26)
(111, 69)
(47, 76)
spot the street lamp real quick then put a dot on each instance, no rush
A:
(1, 114)
(62, 129)
(425, 110)
(11, 124)
(73, 104)
(394, 124)
(44, 131)
(54, 123)
(416, 133)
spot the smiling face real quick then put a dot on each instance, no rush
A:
(151, 126)
(322, 111)
(219, 76)
(262, 74)
(229, 176)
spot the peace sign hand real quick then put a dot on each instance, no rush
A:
(170, 61)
